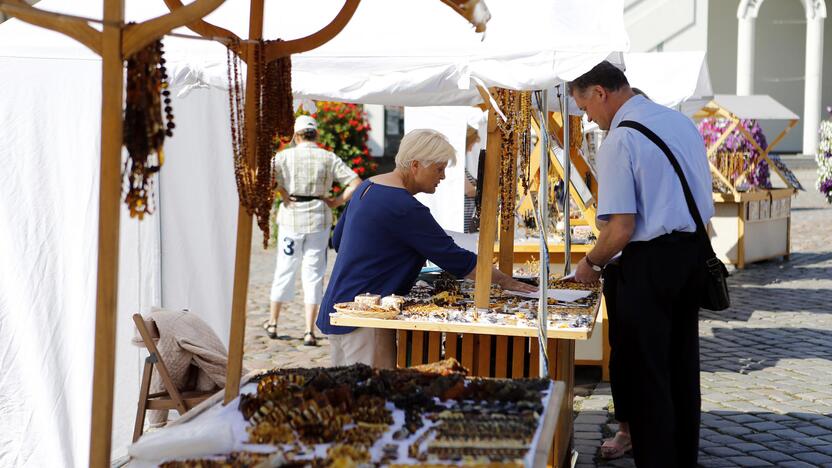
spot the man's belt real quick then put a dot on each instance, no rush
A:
(303, 198)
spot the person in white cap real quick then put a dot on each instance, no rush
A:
(304, 175)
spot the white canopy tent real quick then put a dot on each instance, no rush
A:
(672, 79)
(395, 52)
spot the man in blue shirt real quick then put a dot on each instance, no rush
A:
(383, 239)
(643, 215)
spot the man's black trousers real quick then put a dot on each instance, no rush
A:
(654, 335)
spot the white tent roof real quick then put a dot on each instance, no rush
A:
(401, 52)
(760, 107)
(669, 78)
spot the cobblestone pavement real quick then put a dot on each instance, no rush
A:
(261, 352)
(766, 362)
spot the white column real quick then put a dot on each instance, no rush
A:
(812, 87)
(745, 56)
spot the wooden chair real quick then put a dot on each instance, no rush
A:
(171, 398)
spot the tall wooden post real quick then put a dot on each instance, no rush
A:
(109, 197)
(242, 259)
(488, 213)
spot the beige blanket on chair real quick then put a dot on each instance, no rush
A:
(184, 341)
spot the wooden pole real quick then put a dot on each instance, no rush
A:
(488, 213)
(109, 198)
(244, 222)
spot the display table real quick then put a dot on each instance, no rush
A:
(327, 416)
(752, 226)
(491, 350)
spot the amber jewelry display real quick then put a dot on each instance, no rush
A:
(273, 118)
(515, 150)
(347, 413)
(144, 128)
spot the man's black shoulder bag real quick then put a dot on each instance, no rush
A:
(715, 290)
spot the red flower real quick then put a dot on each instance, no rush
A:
(314, 115)
(353, 123)
(357, 160)
(366, 151)
(359, 170)
(336, 189)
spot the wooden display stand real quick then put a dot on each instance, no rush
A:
(583, 189)
(752, 225)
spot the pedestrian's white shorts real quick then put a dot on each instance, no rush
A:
(305, 251)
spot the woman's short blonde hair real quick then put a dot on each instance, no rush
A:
(426, 146)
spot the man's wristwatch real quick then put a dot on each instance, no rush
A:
(594, 267)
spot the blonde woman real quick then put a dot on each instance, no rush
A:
(383, 239)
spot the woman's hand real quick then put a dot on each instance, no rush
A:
(504, 281)
(507, 282)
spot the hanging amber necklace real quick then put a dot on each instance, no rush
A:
(144, 129)
(273, 118)
(516, 143)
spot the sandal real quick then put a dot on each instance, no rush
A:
(309, 339)
(271, 330)
(613, 448)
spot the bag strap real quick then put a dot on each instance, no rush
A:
(694, 211)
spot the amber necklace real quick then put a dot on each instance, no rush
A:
(273, 118)
(144, 129)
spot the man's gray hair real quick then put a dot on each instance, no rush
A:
(426, 146)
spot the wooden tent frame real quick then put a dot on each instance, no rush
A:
(114, 43)
(714, 110)
(507, 250)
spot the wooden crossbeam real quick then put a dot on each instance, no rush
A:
(588, 211)
(68, 25)
(713, 149)
(764, 153)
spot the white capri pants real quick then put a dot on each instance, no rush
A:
(307, 251)
(375, 347)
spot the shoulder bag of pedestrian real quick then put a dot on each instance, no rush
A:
(715, 290)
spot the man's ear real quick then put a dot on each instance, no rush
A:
(600, 91)
(415, 164)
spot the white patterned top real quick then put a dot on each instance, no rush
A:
(309, 171)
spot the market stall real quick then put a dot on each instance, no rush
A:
(751, 223)
(68, 359)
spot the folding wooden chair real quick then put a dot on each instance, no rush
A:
(169, 399)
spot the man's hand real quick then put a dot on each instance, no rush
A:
(585, 274)
(332, 202)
